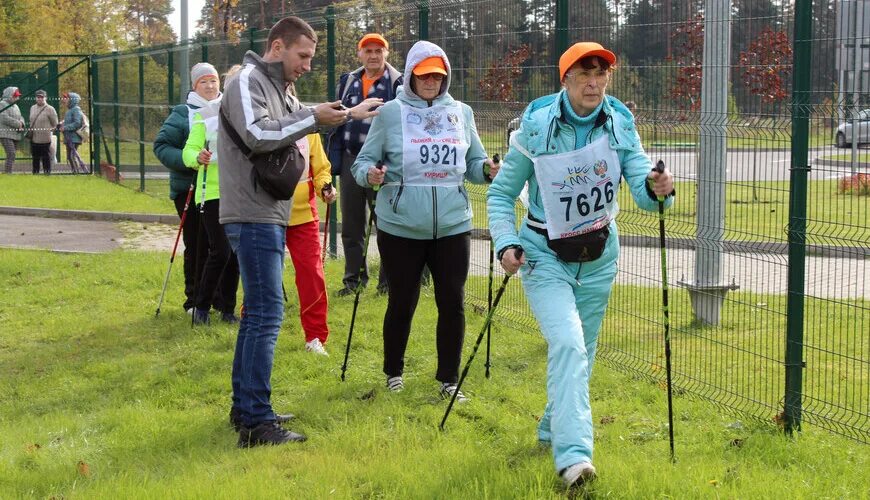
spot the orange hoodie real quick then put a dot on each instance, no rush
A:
(317, 174)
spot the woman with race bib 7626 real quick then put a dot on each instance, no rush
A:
(429, 147)
(572, 148)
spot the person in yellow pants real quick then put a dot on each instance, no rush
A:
(303, 242)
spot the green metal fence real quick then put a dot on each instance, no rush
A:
(744, 101)
(56, 74)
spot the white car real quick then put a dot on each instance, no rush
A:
(844, 130)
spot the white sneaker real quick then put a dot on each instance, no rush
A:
(578, 474)
(316, 347)
(447, 391)
(189, 311)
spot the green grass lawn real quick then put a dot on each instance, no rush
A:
(102, 400)
(83, 192)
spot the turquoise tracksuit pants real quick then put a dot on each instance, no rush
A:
(568, 300)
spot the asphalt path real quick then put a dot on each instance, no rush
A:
(827, 277)
(760, 165)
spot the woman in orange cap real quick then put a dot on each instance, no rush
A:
(429, 147)
(573, 148)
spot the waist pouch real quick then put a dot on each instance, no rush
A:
(581, 248)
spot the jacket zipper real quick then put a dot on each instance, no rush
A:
(434, 213)
(398, 195)
(464, 195)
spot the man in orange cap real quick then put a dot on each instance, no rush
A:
(375, 78)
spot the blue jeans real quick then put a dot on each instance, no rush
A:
(260, 250)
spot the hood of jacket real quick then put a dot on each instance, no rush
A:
(74, 99)
(544, 123)
(201, 105)
(423, 50)
(7, 93)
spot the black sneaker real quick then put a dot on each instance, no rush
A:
(200, 317)
(230, 318)
(383, 289)
(344, 292)
(236, 418)
(267, 433)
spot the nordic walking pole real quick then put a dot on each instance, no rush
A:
(174, 248)
(327, 187)
(518, 253)
(379, 165)
(495, 159)
(199, 237)
(660, 168)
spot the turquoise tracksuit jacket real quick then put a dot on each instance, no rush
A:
(568, 299)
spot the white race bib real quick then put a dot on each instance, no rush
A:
(578, 189)
(434, 146)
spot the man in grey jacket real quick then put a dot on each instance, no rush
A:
(43, 121)
(260, 104)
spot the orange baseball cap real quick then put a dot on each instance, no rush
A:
(579, 51)
(432, 64)
(373, 38)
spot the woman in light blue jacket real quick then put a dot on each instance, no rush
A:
(573, 148)
(429, 147)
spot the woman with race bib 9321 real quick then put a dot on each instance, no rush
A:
(429, 147)
(572, 148)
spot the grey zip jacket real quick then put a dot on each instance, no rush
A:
(267, 116)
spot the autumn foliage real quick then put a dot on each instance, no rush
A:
(498, 83)
(688, 40)
(767, 61)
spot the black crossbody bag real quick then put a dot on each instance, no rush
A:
(277, 172)
(581, 248)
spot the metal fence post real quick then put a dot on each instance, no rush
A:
(561, 40)
(96, 129)
(423, 19)
(141, 122)
(330, 92)
(204, 49)
(53, 91)
(170, 76)
(797, 214)
(116, 116)
(251, 33)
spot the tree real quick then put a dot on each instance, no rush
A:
(147, 22)
(688, 40)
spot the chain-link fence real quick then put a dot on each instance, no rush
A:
(755, 105)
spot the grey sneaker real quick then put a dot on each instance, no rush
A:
(395, 384)
(447, 391)
(578, 474)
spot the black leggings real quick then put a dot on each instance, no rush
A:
(221, 271)
(403, 260)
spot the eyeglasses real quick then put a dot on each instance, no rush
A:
(435, 76)
(587, 75)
